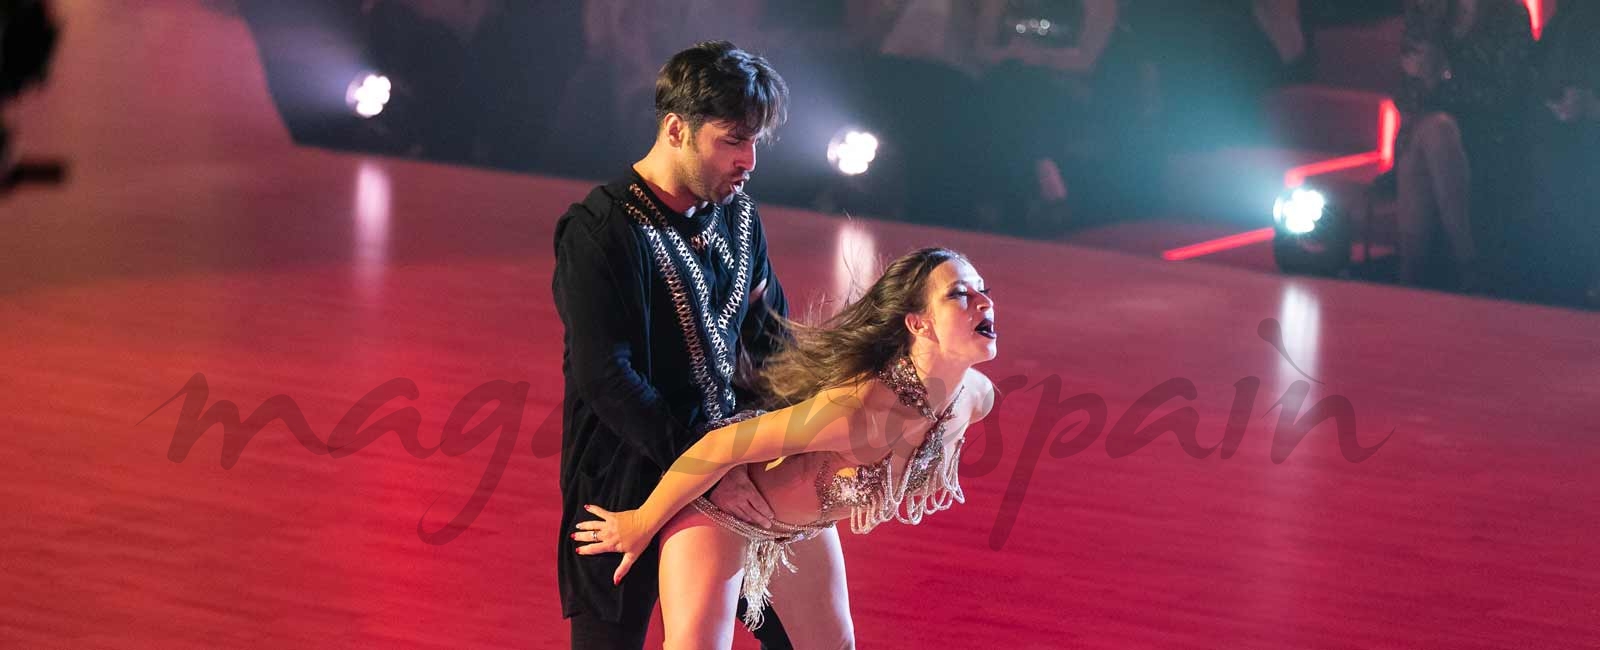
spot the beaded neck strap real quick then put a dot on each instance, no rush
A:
(901, 376)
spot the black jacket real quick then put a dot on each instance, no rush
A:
(654, 319)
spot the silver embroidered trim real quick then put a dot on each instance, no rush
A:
(765, 550)
(680, 302)
(664, 240)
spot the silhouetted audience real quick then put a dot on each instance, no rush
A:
(1458, 169)
(1214, 62)
(474, 78)
(1035, 117)
(914, 85)
(1563, 247)
(1043, 109)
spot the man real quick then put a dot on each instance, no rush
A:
(663, 284)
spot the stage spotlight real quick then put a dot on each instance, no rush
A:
(852, 151)
(1300, 210)
(1312, 235)
(368, 94)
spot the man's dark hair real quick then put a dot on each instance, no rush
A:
(715, 81)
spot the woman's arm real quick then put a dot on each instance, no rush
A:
(834, 420)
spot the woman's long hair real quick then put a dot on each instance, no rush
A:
(858, 341)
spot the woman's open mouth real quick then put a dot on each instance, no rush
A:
(986, 329)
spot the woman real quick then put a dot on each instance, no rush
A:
(875, 404)
(1460, 157)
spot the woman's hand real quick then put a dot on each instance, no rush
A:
(616, 532)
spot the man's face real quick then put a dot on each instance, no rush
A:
(715, 161)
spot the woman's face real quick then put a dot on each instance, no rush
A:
(959, 318)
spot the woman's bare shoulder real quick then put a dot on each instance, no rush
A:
(868, 395)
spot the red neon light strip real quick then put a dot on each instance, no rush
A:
(1297, 176)
(1536, 16)
(1218, 245)
(1388, 128)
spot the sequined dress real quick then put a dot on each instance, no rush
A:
(867, 495)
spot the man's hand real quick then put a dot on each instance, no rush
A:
(737, 495)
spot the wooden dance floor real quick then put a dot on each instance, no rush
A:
(193, 239)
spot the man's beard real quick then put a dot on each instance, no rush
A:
(706, 191)
(692, 177)
(693, 173)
